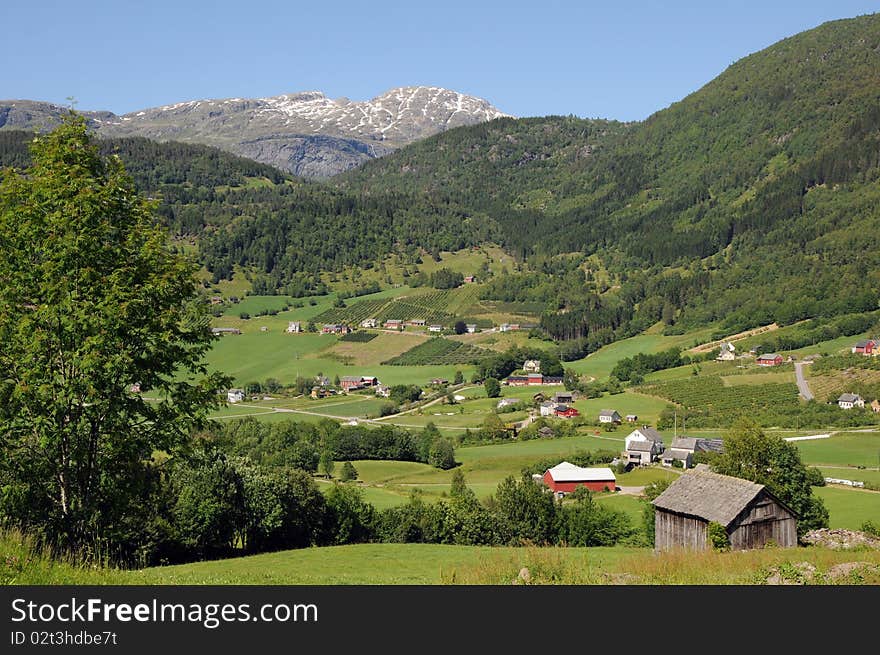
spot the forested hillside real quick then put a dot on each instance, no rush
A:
(287, 231)
(753, 199)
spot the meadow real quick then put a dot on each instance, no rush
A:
(432, 564)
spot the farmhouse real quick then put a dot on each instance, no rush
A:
(235, 395)
(532, 366)
(727, 352)
(609, 416)
(565, 411)
(507, 327)
(850, 400)
(506, 402)
(418, 322)
(682, 450)
(319, 392)
(538, 397)
(369, 323)
(642, 453)
(225, 330)
(334, 328)
(632, 418)
(547, 408)
(566, 477)
(471, 328)
(750, 514)
(865, 347)
(393, 324)
(383, 390)
(770, 359)
(644, 433)
(435, 328)
(566, 397)
(294, 327)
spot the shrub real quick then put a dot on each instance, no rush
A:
(717, 536)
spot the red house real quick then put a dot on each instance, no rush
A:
(865, 347)
(565, 477)
(770, 359)
(566, 412)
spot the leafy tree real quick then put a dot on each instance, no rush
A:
(326, 464)
(442, 454)
(526, 513)
(460, 327)
(459, 378)
(350, 519)
(493, 387)
(92, 301)
(348, 473)
(751, 454)
(571, 380)
(336, 380)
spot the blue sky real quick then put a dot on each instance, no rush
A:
(620, 59)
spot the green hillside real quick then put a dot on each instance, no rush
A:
(752, 200)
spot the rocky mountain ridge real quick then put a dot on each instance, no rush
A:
(305, 133)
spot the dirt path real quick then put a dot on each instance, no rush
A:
(706, 347)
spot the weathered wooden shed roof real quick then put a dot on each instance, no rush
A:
(708, 496)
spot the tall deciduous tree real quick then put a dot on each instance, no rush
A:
(752, 454)
(95, 310)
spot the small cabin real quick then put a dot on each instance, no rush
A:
(751, 515)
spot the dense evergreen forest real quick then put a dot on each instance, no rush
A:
(286, 230)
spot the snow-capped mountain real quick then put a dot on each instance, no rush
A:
(306, 133)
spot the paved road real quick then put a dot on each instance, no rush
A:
(803, 387)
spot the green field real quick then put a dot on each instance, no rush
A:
(600, 363)
(850, 508)
(844, 449)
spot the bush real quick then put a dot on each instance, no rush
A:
(717, 536)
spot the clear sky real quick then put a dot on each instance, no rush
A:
(616, 59)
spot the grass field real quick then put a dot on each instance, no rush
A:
(430, 564)
(600, 363)
(844, 449)
(850, 508)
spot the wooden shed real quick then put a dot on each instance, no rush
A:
(751, 515)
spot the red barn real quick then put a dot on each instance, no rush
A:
(865, 347)
(770, 359)
(566, 477)
(566, 412)
(535, 378)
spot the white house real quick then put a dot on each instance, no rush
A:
(532, 366)
(643, 433)
(727, 353)
(293, 327)
(609, 416)
(471, 328)
(369, 323)
(505, 402)
(435, 328)
(548, 408)
(235, 395)
(850, 400)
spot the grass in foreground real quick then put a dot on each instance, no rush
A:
(428, 564)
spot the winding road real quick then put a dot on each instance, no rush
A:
(803, 387)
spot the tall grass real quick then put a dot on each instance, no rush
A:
(24, 562)
(641, 567)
